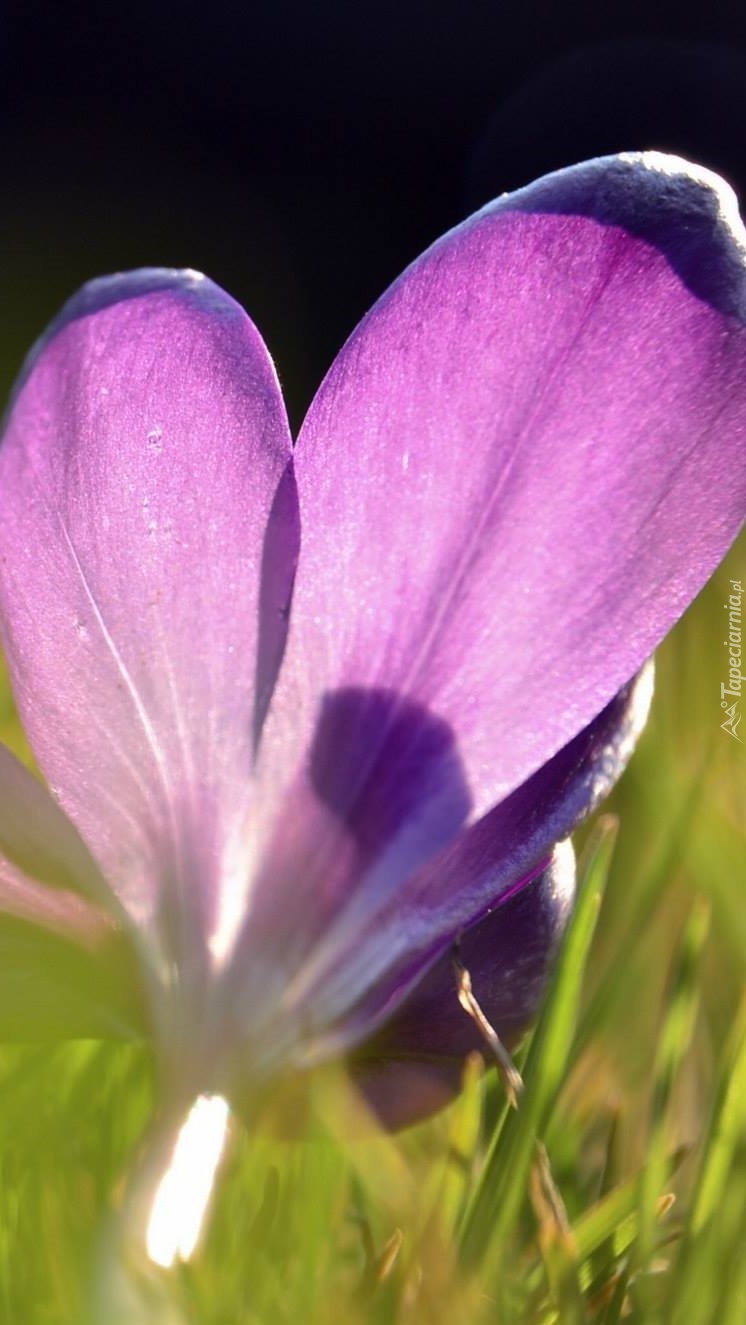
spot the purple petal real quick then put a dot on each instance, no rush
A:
(47, 875)
(66, 967)
(37, 837)
(415, 1063)
(383, 944)
(146, 446)
(54, 986)
(55, 909)
(359, 972)
(511, 485)
(511, 479)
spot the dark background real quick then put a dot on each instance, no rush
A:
(302, 152)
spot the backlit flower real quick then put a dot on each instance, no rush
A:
(305, 718)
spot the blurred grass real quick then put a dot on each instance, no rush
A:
(617, 1191)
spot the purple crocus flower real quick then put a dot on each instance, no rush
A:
(307, 717)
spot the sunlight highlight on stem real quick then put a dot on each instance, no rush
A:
(184, 1191)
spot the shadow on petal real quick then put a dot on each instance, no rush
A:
(416, 780)
(383, 792)
(279, 562)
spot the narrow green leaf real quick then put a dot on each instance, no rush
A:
(673, 1046)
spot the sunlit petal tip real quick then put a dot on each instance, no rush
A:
(688, 212)
(103, 292)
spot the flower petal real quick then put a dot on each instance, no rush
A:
(415, 1063)
(145, 449)
(54, 986)
(47, 875)
(67, 968)
(511, 485)
(512, 482)
(513, 479)
(370, 959)
(38, 838)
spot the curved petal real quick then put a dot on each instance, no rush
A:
(37, 837)
(145, 449)
(67, 968)
(47, 875)
(53, 985)
(359, 973)
(511, 485)
(57, 910)
(415, 1063)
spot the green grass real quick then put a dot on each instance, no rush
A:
(616, 1191)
